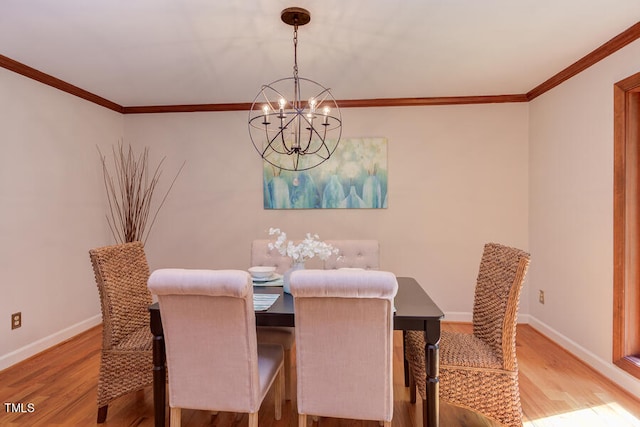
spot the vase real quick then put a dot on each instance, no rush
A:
(286, 285)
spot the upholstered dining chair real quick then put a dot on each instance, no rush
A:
(126, 364)
(344, 343)
(363, 254)
(480, 370)
(262, 255)
(213, 358)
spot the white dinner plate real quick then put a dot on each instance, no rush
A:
(275, 280)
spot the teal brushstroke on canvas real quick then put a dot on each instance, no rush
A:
(303, 192)
(355, 177)
(353, 201)
(333, 193)
(279, 192)
(372, 192)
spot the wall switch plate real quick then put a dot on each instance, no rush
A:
(16, 320)
(541, 297)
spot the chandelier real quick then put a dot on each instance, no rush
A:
(295, 123)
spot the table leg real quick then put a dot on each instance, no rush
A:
(159, 380)
(404, 359)
(431, 406)
(159, 370)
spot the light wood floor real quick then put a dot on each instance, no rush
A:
(556, 390)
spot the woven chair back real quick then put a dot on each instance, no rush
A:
(121, 273)
(500, 278)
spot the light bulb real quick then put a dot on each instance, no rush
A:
(326, 111)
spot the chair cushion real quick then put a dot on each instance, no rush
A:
(270, 359)
(456, 349)
(459, 349)
(140, 340)
(283, 336)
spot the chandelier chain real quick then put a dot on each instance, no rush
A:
(295, 50)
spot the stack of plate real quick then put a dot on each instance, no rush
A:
(265, 276)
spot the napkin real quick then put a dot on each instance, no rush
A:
(262, 302)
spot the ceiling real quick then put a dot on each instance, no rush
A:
(177, 52)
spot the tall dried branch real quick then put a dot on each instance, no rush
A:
(130, 190)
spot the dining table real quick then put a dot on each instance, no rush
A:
(414, 310)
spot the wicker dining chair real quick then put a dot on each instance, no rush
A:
(480, 370)
(126, 365)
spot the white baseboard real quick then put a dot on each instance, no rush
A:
(457, 317)
(608, 369)
(42, 344)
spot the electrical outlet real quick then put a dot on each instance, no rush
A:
(16, 320)
(541, 297)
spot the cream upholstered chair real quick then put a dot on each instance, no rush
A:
(344, 343)
(262, 255)
(480, 370)
(126, 363)
(354, 254)
(213, 358)
(364, 254)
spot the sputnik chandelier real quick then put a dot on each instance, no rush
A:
(295, 123)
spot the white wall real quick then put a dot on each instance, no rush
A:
(51, 212)
(571, 211)
(458, 177)
(537, 176)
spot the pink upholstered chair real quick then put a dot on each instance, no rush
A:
(354, 254)
(262, 255)
(213, 359)
(344, 343)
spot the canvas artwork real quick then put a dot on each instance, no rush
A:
(354, 177)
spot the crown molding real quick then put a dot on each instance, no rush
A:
(621, 40)
(618, 42)
(37, 75)
(344, 103)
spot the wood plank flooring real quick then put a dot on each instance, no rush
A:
(556, 390)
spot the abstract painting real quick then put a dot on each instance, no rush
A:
(354, 177)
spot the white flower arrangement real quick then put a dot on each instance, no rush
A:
(306, 249)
